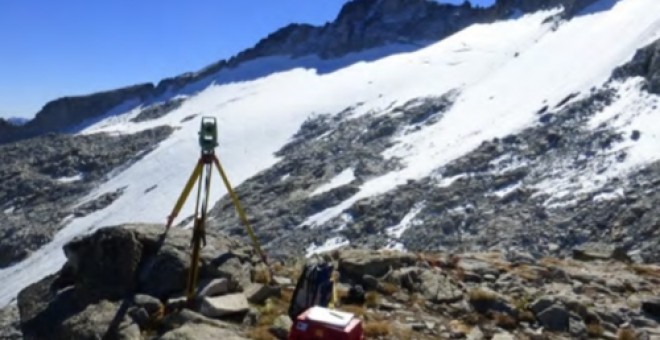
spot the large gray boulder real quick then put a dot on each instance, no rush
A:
(599, 251)
(224, 305)
(99, 293)
(356, 264)
(105, 320)
(106, 263)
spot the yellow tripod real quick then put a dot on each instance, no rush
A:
(208, 140)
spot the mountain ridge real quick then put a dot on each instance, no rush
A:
(360, 25)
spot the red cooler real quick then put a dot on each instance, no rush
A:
(320, 323)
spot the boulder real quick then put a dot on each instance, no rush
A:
(201, 332)
(106, 262)
(477, 267)
(165, 273)
(438, 288)
(104, 320)
(542, 304)
(503, 336)
(232, 268)
(224, 305)
(554, 318)
(258, 293)
(354, 264)
(184, 316)
(599, 251)
(150, 304)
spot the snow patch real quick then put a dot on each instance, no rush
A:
(70, 179)
(330, 244)
(343, 178)
(406, 222)
(608, 196)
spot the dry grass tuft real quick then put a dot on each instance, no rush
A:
(626, 334)
(482, 295)
(526, 316)
(402, 333)
(261, 275)
(355, 309)
(594, 329)
(526, 272)
(415, 299)
(261, 333)
(388, 288)
(377, 328)
(646, 270)
(505, 321)
(372, 299)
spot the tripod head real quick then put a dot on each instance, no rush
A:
(208, 134)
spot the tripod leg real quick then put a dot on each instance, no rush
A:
(184, 195)
(194, 262)
(199, 232)
(242, 215)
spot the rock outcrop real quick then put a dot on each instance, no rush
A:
(646, 64)
(117, 282)
(421, 295)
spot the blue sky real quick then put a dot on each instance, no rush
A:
(51, 48)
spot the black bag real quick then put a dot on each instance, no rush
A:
(314, 288)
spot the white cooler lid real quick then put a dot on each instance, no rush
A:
(329, 316)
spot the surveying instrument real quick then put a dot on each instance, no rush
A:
(208, 141)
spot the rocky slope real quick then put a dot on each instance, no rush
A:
(125, 282)
(360, 25)
(491, 198)
(42, 180)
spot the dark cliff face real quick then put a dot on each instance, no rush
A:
(646, 64)
(67, 112)
(360, 25)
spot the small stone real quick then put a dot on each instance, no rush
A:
(281, 326)
(475, 334)
(541, 304)
(140, 316)
(458, 327)
(149, 303)
(418, 326)
(554, 318)
(651, 306)
(251, 319)
(389, 306)
(370, 282)
(635, 135)
(282, 281)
